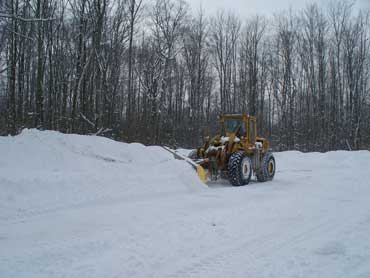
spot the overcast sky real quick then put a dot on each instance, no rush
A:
(266, 7)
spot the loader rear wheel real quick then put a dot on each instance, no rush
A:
(239, 169)
(268, 167)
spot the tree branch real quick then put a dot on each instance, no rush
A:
(25, 19)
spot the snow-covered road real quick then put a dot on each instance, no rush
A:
(78, 206)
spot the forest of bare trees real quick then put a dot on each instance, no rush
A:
(155, 72)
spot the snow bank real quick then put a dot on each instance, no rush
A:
(47, 169)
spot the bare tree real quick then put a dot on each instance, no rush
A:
(197, 64)
(168, 18)
(224, 35)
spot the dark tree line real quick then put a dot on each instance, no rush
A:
(153, 72)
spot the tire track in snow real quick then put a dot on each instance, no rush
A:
(226, 261)
(23, 216)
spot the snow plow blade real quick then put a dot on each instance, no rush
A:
(201, 172)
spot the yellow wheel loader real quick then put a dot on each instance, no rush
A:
(235, 153)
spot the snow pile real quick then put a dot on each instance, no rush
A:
(79, 206)
(46, 169)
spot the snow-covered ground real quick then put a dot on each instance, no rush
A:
(79, 206)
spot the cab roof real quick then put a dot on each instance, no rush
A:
(235, 116)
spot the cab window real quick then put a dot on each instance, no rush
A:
(242, 130)
(231, 125)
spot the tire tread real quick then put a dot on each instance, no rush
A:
(235, 170)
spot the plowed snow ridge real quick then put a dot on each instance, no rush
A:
(85, 206)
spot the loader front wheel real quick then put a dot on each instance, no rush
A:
(239, 169)
(268, 166)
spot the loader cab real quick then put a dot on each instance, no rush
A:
(232, 126)
(241, 125)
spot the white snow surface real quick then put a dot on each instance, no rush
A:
(86, 206)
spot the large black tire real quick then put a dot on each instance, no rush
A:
(268, 167)
(239, 169)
